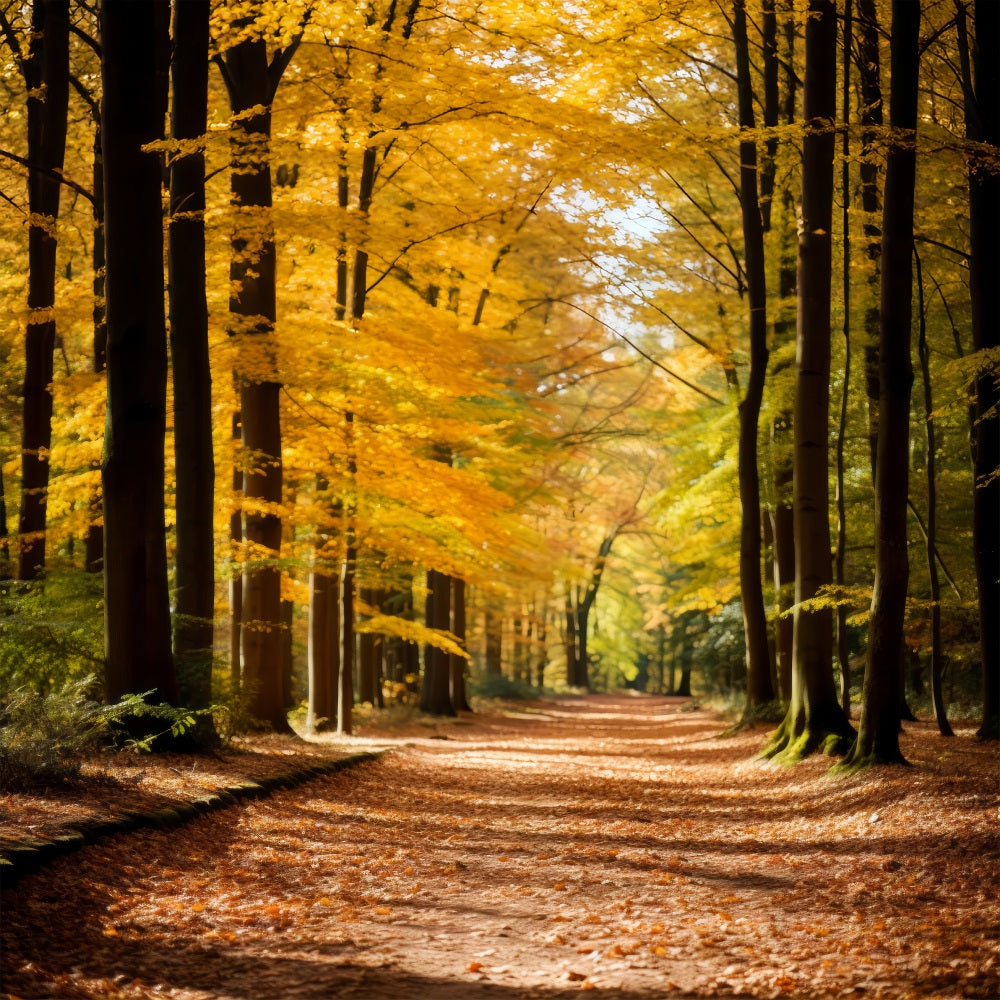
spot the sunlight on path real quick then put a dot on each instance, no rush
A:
(610, 844)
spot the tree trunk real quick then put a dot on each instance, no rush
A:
(94, 545)
(781, 425)
(366, 657)
(323, 647)
(459, 698)
(494, 643)
(252, 307)
(194, 580)
(435, 695)
(134, 65)
(236, 580)
(760, 692)
(878, 733)
(840, 562)
(46, 74)
(5, 566)
(345, 689)
(870, 85)
(982, 115)
(814, 718)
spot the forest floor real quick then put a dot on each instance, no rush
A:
(603, 843)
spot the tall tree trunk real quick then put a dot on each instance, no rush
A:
(930, 532)
(840, 562)
(760, 692)
(236, 579)
(94, 545)
(134, 69)
(46, 74)
(194, 580)
(982, 116)
(781, 425)
(248, 78)
(814, 718)
(868, 62)
(878, 733)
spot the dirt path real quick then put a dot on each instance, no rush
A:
(608, 843)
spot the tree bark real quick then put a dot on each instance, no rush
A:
(840, 561)
(134, 69)
(194, 579)
(248, 77)
(323, 646)
(94, 544)
(814, 718)
(982, 114)
(930, 532)
(435, 695)
(760, 691)
(868, 65)
(46, 75)
(459, 697)
(878, 732)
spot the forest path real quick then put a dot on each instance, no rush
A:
(607, 843)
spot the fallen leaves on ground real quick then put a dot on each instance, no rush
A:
(600, 843)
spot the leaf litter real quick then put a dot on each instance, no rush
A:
(606, 843)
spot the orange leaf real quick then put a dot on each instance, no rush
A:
(473, 966)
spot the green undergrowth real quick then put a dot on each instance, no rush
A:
(45, 738)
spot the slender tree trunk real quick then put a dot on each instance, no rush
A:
(194, 580)
(569, 640)
(323, 645)
(236, 580)
(982, 115)
(46, 74)
(494, 643)
(878, 732)
(868, 63)
(459, 697)
(253, 312)
(840, 562)
(435, 696)
(760, 692)
(781, 425)
(135, 66)
(930, 532)
(345, 689)
(814, 718)
(366, 657)
(94, 545)
(6, 570)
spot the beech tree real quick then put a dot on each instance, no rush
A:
(252, 76)
(982, 114)
(45, 68)
(878, 733)
(814, 717)
(135, 52)
(194, 585)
